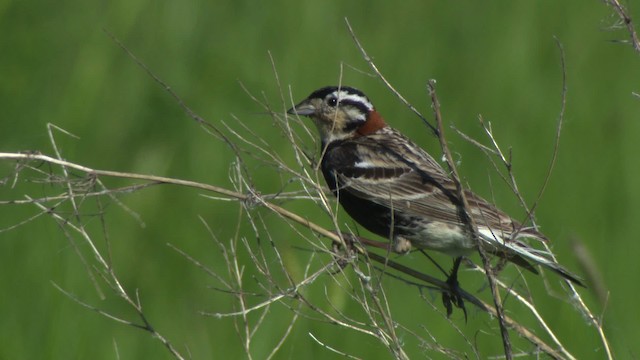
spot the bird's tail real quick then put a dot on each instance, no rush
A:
(521, 254)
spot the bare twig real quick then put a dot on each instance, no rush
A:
(470, 222)
(511, 181)
(115, 283)
(556, 143)
(341, 353)
(285, 214)
(628, 22)
(373, 66)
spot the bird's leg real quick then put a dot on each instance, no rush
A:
(401, 245)
(453, 296)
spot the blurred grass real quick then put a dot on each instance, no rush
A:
(499, 60)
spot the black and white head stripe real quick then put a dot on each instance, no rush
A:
(344, 95)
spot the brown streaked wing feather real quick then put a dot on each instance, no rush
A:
(397, 174)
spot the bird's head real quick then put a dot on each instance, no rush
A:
(340, 113)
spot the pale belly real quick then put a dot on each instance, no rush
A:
(441, 237)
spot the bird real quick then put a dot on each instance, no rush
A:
(395, 189)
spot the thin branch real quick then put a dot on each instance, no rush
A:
(556, 143)
(470, 222)
(628, 22)
(336, 238)
(97, 310)
(349, 356)
(373, 66)
(207, 126)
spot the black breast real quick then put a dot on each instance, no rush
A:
(341, 156)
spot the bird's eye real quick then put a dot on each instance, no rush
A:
(332, 102)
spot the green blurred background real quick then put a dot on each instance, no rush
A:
(498, 59)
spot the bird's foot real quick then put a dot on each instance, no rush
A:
(401, 245)
(454, 294)
(344, 254)
(453, 297)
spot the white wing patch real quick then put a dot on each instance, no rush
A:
(365, 165)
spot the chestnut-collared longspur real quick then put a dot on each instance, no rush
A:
(395, 189)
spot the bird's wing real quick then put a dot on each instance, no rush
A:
(403, 177)
(400, 175)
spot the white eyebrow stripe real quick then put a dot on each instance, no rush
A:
(343, 95)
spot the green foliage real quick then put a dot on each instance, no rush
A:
(496, 59)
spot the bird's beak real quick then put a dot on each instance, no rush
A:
(304, 108)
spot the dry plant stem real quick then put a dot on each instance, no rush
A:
(437, 131)
(384, 311)
(108, 275)
(595, 321)
(146, 325)
(511, 292)
(628, 22)
(115, 283)
(556, 142)
(470, 222)
(511, 323)
(511, 181)
(349, 356)
(284, 336)
(164, 180)
(294, 293)
(207, 126)
(521, 330)
(248, 329)
(577, 299)
(373, 66)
